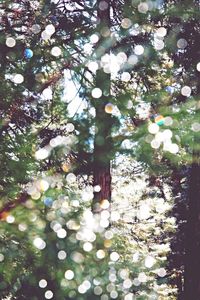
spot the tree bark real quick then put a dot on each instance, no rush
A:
(192, 258)
(103, 121)
(103, 148)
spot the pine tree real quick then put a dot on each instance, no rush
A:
(33, 129)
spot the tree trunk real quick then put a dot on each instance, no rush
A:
(192, 258)
(103, 121)
(102, 177)
(102, 145)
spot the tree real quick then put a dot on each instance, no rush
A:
(28, 121)
(186, 62)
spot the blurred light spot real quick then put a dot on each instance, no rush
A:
(96, 281)
(69, 274)
(129, 296)
(41, 154)
(93, 66)
(45, 36)
(82, 289)
(174, 148)
(198, 67)
(196, 127)
(48, 294)
(104, 204)
(75, 203)
(127, 283)
(155, 144)
(170, 89)
(104, 297)
(86, 284)
(48, 201)
(142, 277)
(57, 141)
(39, 77)
(158, 44)
(28, 53)
(10, 219)
(109, 108)
(103, 5)
(121, 57)
(133, 59)
(158, 137)
(100, 254)
(87, 246)
(139, 50)
(71, 178)
(167, 134)
(1, 257)
(108, 235)
(10, 42)
(161, 272)
(73, 225)
(97, 188)
(22, 227)
(125, 76)
(61, 233)
(143, 7)
(36, 195)
(153, 128)
(96, 93)
(42, 283)
(69, 127)
(94, 38)
(18, 78)
(113, 294)
(149, 261)
(167, 145)
(182, 43)
(87, 48)
(107, 243)
(56, 51)
(136, 282)
(50, 29)
(43, 185)
(77, 257)
(114, 256)
(186, 91)
(47, 94)
(65, 167)
(161, 32)
(98, 290)
(35, 28)
(126, 23)
(159, 120)
(62, 254)
(168, 121)
(39, 243)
